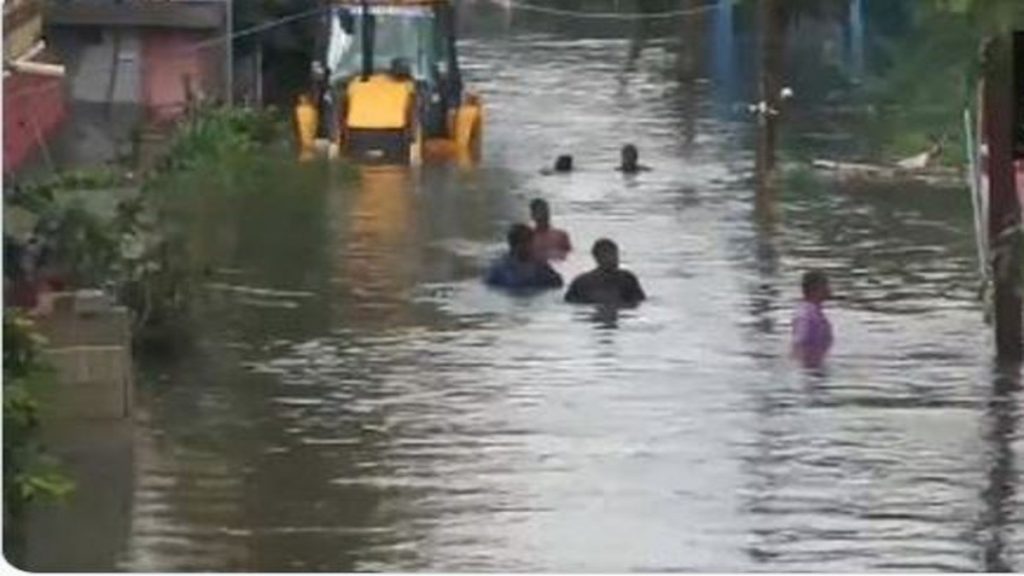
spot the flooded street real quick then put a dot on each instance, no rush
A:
(358, 400)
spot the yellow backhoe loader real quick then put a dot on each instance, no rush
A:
(390, 89)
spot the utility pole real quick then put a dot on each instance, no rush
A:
(770, 49)
(259, 74)
(1004, 217)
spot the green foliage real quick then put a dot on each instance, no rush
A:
(29, 474)
(74, 212)
(931, 80)
(217, 134)
(151, 275)
(134, 246)
(125, 252)
(142, 242)
(39, 195)
(212, 152)
(82, 237)
(92, 179)
(22, 346)
(85, 248)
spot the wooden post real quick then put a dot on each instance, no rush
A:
(770, 49)
(689, 72)
(259, 74)
(190, 96)
(1004, 206)
(229, 53)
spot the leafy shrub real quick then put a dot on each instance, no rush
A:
(29, 473)
(217, 134)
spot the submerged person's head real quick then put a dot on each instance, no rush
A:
(563, 163)
(815, 286)
(520, 237)
(540, 212)
(606, 254)
(630, 158)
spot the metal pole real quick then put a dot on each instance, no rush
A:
(974, 179)
(368, 40)
(229, 52)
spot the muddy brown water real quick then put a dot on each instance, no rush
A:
(357, 400)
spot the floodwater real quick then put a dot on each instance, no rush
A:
(357, 400)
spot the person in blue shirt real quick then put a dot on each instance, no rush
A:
(519, 268)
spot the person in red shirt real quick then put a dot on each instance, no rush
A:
(548, 243)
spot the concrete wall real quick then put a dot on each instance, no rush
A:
(85, 532)
(125, 65)
(104, 65)
(104, 78)
(89, 345)
(96, 133)
(121, 79)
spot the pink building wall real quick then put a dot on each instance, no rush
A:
(168, 56)
(34, 108)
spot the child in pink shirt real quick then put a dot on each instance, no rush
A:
(812, 332)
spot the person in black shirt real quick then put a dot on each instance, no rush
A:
(606, 284)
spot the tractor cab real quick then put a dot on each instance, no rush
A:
(391, 85)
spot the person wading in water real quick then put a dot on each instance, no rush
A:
(812, 332)
(519, 268)
(630, 160)
(548, 243)
(563, 165)
(607, 283)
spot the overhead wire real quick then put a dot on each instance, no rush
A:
(515, 4)
(260, 27)
(582, 14)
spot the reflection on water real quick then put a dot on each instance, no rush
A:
(997, 521)
(359, 401)
(376, 259)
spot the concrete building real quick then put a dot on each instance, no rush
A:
(131, 65)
